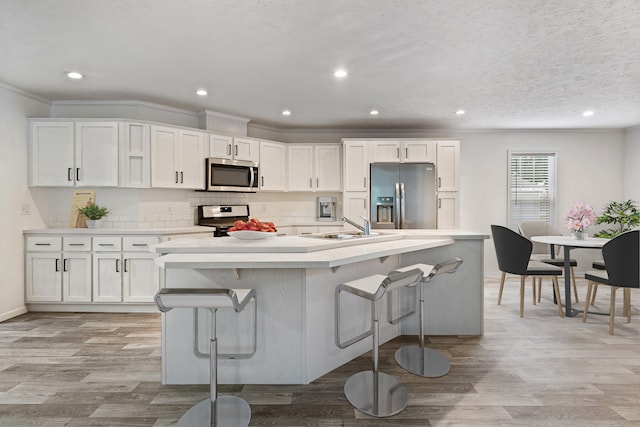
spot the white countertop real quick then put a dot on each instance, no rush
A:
(136, 231)
(327, 258)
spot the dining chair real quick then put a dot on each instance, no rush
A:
(622, 260)
(541, 252)
(597, 264)
(514, 257)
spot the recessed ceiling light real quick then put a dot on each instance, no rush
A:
(374, 112)
(74, 75)
(286, 112)
(202, 92)
(460, 112)
(340, 73)
(587, 113)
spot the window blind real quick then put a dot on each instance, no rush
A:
(532, 187)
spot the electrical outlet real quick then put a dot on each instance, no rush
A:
(25, 209)
(169, 209)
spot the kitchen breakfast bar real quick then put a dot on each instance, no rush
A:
(295, 279)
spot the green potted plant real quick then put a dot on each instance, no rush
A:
(94, 214)
(623, 216)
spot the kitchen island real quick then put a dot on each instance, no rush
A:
(295, 278)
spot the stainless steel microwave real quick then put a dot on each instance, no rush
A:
(232, 175)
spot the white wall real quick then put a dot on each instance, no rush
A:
(632, 164)
(15, 107)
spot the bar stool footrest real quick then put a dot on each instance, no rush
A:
(231, 411)
(422, 361)
(389, 398)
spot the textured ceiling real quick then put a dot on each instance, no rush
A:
(509, 63)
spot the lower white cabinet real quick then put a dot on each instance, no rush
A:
(448, 210)
(91, 269)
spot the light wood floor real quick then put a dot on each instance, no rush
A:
(104, 370)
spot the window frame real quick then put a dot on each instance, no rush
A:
(552, 173)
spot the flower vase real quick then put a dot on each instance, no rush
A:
(579, 234)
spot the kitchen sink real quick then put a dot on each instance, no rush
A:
(339, 235)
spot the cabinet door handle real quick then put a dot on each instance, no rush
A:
(439, 182)
(57, 264)
(64, 264)
(77, 174)
(140, 244)
(75, 244)
(262, 180)
(310, 182)
(236, 153)
(43, 244)
(176, 177)
(365, 182)
(105, 244)
(125, 265)
(317, 182)
(69, 174)
(406, 153)
(117, 265)
(439, 203)
(181, 177)
(398, 153)
(229, 149)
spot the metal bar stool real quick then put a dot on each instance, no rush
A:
(416, 358)
(217, 410)
(372, 392)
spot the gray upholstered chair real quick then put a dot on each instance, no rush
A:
(514, 256)
(542, 252)
(622, 259)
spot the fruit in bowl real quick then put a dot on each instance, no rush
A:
(253, 225)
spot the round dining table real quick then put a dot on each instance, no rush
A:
(568, 243)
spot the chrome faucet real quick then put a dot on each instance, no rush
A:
(366, 229)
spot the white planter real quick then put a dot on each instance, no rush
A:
(94, 223)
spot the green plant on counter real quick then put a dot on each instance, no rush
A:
(623, 216)
(94, 211)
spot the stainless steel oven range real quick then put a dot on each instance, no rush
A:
(221, 217)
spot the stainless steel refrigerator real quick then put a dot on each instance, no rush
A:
(403, 195)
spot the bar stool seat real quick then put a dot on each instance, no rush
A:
(416, 358)
(217, 410)
(372, 392)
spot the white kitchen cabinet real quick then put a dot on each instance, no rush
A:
(272, 167)
(448, 210)
(447, 165)
(234, 148)
(246, 149)
(58, 271)
(43, 277)
(74, 153)
(140, 277)
(314, 167)
(356, 165)
(177, 158)
(107, 277)
(404, 151)
(355, 205)
(135, 155)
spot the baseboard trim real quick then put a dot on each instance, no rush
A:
(13, 313)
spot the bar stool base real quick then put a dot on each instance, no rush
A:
(422, 361)
(231, 411)
(388, 399)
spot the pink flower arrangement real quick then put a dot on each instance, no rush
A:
(579, 217)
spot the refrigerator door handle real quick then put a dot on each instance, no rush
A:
(402, 205)
(397, 213)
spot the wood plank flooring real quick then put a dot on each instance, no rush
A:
(72, 369)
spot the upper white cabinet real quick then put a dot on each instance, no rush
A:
(356, 165)
(448, 165)
(135, 155)
(177, 158)
(272, 166)
(73, 153)
(314, 167)
(237, 148)
(403, 151)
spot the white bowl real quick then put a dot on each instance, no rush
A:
(251, 235)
